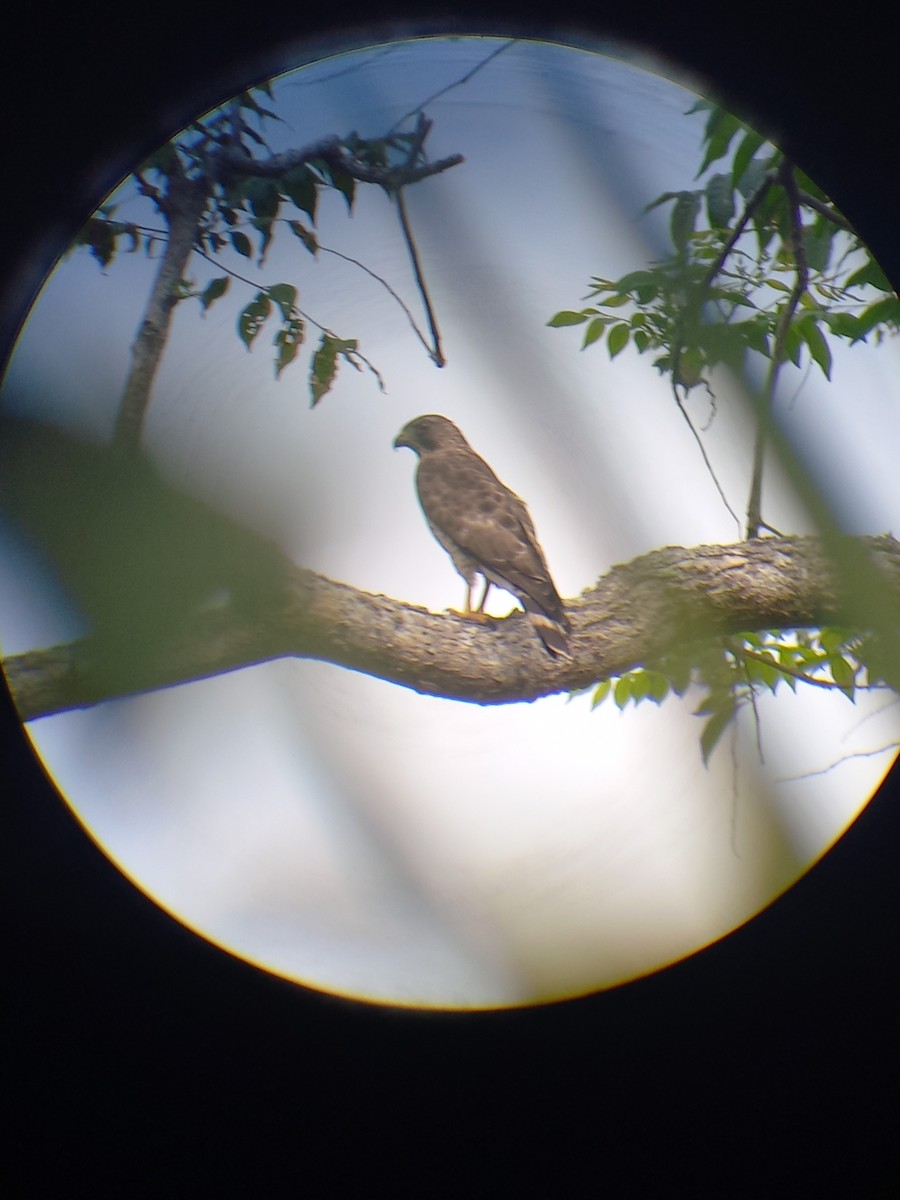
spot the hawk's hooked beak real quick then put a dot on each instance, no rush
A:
(400, 441)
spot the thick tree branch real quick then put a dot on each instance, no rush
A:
(634, 614)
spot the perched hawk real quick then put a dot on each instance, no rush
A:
(483, 526)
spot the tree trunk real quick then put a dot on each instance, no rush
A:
(183, 208)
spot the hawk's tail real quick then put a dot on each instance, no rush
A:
(554, 634)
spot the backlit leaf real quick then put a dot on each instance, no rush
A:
(213, 291)
(567, 318)
(617, 339)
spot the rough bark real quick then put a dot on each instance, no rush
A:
(635, 613)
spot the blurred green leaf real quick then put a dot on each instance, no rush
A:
(213, 291)
(617, 339)
(594, 331)
(718, 722)
(567, 318)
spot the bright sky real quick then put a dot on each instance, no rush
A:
(352, 834)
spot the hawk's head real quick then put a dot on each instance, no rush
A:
(431, 432)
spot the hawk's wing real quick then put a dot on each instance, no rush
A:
(466, 503)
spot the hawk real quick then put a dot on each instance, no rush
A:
(483, 526)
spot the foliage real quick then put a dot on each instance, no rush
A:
(734, 671)
(247, 199)
(762, 265)
(720, 294)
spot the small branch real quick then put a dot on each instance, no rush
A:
(387, 287)
(891, 746)
(456, 83)
(749, 209)
(826, 211)
(709, 467)
(434, 351)
(795, 673)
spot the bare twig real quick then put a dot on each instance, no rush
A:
(387, 287)
(435, 352)
(709, 467)
(456, 83)
(839, 762)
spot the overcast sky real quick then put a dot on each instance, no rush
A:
(355, 835)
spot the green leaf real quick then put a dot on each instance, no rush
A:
(566, 317)
(213, 291)
(622, 691)
(657, 686)
(817, 242)
(644, 284)
(720, 201)
(594, 331)
(749, 144)
(843, 672)
(753, 175)
(100, 237)
(809, 186)
(265, 236)
(323, 371)
(601, 692)
(246, 100)
(285, 296)
(766, 673)
(882, 311)
(299, 185)
(844, 324)
(690, 367)
(288, 341)
(832, 638)
(680, 674)
(720, 129)
(241, 243)
(818, 347)
(344, 183)
(871, 274)
(757, 335)
(684, 217)
(721, 718)
(264, 197)
(793, 344)
(253, 317)
(306, 236)
(663, 199)
(617, 339)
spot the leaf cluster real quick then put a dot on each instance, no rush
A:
(733, 672)
(240, 218)
(721, 292)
